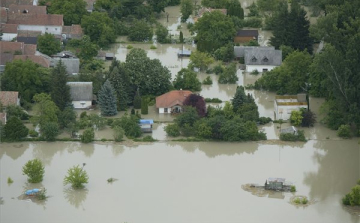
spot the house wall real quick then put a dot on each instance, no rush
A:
(284, 111)
(161, 111)
(56, 30)
(260, 68)
(8, 36)
(243, 39)
(81, 104)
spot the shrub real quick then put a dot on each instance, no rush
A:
(14, 129)
(118, 134)
(49, 131)
(146, 139)
(207, 81)
(76, 177)
(253, 22)
(346, 199)
(33, 133)
(41, 195)
(213, 100)
(172, 130)
(144, 106)
(152, 47)
(218, 69)
(296, 118)
(9, 180)
(129, 47)
(109, 121)
(264, 120)
(344, 131)
(34, 169)
(255, 72)
(293, 137)
(304, 200)
(297, 200)
(88, 135)
(83, 115)
(292, 188)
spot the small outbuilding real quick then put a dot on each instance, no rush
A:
(81, 94)
(184, 53)
(245, 35)
(285, 104)
(172, 101)
(146, 125)
(274, 183)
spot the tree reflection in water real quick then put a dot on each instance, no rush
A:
(76, 197)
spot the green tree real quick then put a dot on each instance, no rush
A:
(130, 124)
(66, 117)
(140, 31)
(16, 111)
(229, 75)
(234, 9)
(60, 91)
(73, 10)
(158, 5)
(344, 131)
(253, 10)
(45, 109)
(268, 5)
(88, 50)
(214, 30)
(48, 44)
(15, 130)
(186, 79)
(239, 99)
(162, 34)
(88, 135)
(107, 99)
(200, 60)
(99, 27)
(122, 85)
(49, 131)
(186, 9)
(172, 130)
(35, 170)
(137, 100)
(225, 53)
(144, 106)
(217, 4)
(189, 116)
(296, 118)
(77, 177)
(25, 77)
(118, 134)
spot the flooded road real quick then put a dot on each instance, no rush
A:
(181, 182)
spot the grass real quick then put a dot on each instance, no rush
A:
(146, 139)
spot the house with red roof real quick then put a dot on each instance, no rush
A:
(9, 31)
(171, 102)
(9, 98)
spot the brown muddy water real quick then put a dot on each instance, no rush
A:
(181, 182)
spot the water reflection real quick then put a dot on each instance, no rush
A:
(17, 149)
(76, 197)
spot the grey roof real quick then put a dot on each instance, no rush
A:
(275, 179)
(239, 51)
(109, 55)
(248, 32)
(27, 40)
(81, 91)
(263, 56)
(291, 129)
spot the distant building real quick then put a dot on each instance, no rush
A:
(81, 94)
(9, 31)
(262, 59)
(70, 61)
(274, 183)
(239, 51)
(90, 5)
(72, 32)
(9, 98)
(9, 49)
(45, 23)
(172, 101)
(285, 104)
(7, 3)
(244, 36)
(42, 61)
(291, 130)
(26, 9)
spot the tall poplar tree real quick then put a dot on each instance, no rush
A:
(60, 91)
(122, 86)
(107, 99)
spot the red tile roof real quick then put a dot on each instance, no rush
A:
(7, 3)
(36, 19)
(34, 58)
(176, 97)
(9, 97)
(6, 57)
(28, 33)
(11, 47)
(73, 29)
(3, 15)
(9, 28)
(29, 49)
(29, 9)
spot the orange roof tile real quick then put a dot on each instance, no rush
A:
(172, 98)
(36, 19)
(9, 97)
(3, 15)
(34, 58)
(29, 49)
(27, 9)
(11, 47)
(7, 3)
(9, 28)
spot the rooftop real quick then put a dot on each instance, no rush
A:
(247, 33)
(176, 97)
(36, 19)
(26, 9)
(34, 58)
(9, 28)
(81, 91)
(291, 100)
(9, 97)
(7, 3)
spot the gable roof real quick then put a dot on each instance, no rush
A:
(11, 47)
(9, 28)
(9, 97)
(28, 33)
(248, 33)
(3, 15)
(263, 56)
(27, 40)
(239, 51)
(176, 97)
(7, 3)
(27, 9)
(81, 91)
(36, 19)
(90, 5)
(34, 58)
(29, 49)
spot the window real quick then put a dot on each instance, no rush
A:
(46, 28)
(165, 110)
(265, 70)
(55, 28)
(265, 59)
(253, 59)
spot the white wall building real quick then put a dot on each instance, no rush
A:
(285, 104)
(81, 94)
(262, 59)
(44, 23)
(172, 101)
(9, 31)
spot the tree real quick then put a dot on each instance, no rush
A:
(189, 117)
(200, 60)
(88, 50)
(239, 98)
(15, 111)
(88, 135)
(25, 77)
(253, 10)
(130, 124)
(218, 4)
(186, 79)
(49, 131)
(234, 9)
(45, 109)
(118, 134)
(214, 30)
(229, 75)
(158, 5)
(296, 118)
(73, 10)
(344, 131)
(144, 106)
(35, 170)
(308, 118)
(225, 53)
(162, 34)
(99, 27)
(47, 44)
(77, 177)
(107, 99)
(197, 102)
(120, 80)
(268, 5)
(140, 31)
(15, 130)
(137, 100)
(172, 130)
(60, 91)
(186, 9)
(66, 117)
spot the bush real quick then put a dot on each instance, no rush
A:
(118, 134)
(304, 200)
(129, 47)
(213, 100)
(109, 121)
(9, 180)
(83, 115)
(207, 81)
(218, 69)
(254, 72)
(34, 169)
(49, 131)
(253, 22)
(296, 118)
(346, 199)
(264, 120)
(146, 139)
(15, 130)
(76, 177)
(292, 188)
(33, 133)
(309, 118)
(41, 195)
(344, 131)
(88, 135)
(172, 130)
(144, 106)
(152, 47)
(293, 137)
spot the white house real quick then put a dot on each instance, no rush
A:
(81, 94)
(262, 59)
(44, 23)
(9, 31)
(172, 101)
(285, 104)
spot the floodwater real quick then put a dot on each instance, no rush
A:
(181, 182)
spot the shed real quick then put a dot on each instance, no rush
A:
(109, 56)
(146, 128)
(285, 104)
(81, 94)
(243, 36)
(274, 183)
(291, 130)
(146, 121)
(184, 53)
